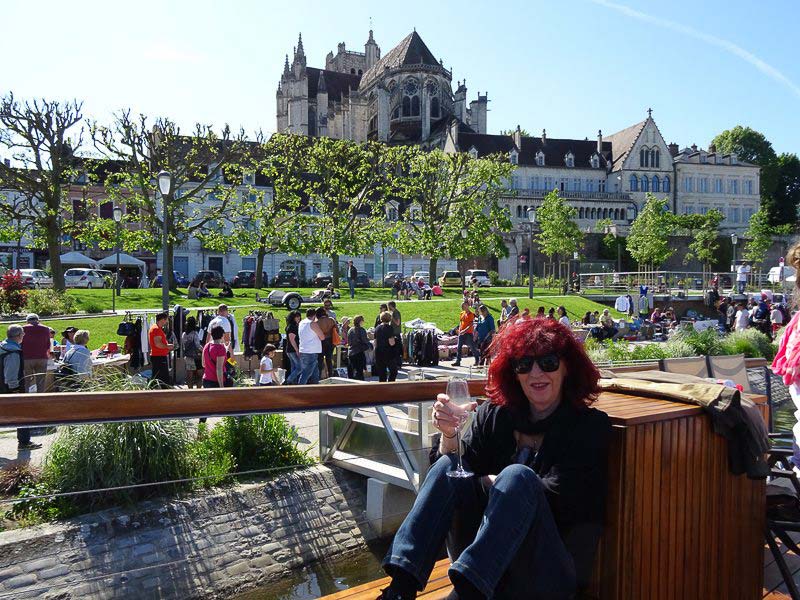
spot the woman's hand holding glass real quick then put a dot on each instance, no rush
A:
(447, 416)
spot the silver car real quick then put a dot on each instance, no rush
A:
(84, 278)
(35, 279)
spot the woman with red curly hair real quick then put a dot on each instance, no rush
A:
(527, 524)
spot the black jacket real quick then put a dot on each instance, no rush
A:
(572, 463)
(352, 272)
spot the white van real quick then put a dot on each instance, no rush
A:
(480, 275)
(788, 276)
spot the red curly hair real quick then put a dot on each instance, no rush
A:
(537, 337)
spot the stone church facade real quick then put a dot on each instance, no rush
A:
(403, 97)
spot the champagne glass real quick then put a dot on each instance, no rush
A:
(458, 393)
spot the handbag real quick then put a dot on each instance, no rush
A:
(126, 328)
(336, 339)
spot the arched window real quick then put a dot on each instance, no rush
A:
(657, 161)
(352, 71)
(540, 158)
(415, 106)
(570, 160)
(434, 108)
(580, 212)
(643, 156)
(595, 161)
(634, 183)
(360, 72)
(666, 183)
(594, 213)
(645, 183)
(519, 211)
(410, 98)
(652, 157)
(656, 183)
(406, 106)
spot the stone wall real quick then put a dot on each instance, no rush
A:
(206, 546)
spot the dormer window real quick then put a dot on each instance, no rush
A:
(595, 161)
(540, 158)
(473, 152)
(734, 159)
(569, 159)
(391, 211)
(513, 157)
(414, 212)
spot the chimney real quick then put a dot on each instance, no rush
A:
(517, 135)
(694, 147)
(599, 141)
(673, 149)
(7, 162)
(544, 137)
(712, 149)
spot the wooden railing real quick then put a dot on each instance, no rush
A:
(90, 407)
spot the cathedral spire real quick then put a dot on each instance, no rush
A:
(286, 65)
(300, 45)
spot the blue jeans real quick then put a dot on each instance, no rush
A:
(309, 368)
(466, 339)
(740, 285)
(352, 283)
(294, 371)
(504, 541)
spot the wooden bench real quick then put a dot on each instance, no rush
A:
(679, 525)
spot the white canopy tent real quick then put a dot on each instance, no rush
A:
(76, 259)
(125, 260)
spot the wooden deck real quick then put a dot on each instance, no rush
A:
(679, 524)
(774, 588)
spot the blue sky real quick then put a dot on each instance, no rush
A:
(570, 66)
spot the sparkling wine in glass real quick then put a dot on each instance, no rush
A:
(458, 392)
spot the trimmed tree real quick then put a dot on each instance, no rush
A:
(760, 235)
(443, 194)
(41, 137)
(559, 235)
(648, 240)
(207, 175)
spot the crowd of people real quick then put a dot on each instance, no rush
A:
(760, 313)
(408, 288)
(25, 355)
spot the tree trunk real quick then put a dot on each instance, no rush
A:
(432, 269)
(335, 270)
(259, 283)
(54, 250)
(166, 272)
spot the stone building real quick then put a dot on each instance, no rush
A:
(403, 97)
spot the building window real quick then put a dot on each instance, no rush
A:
(107, 210)
(540, 158)
(666, 183)
(79, 209)
(391, 213)
(513, 157)
(748, 187)
(595, 162)
(576, 185)
(634, 183)
(515, 182)
(689, 210)
(657, 162)
(656, 183)
(733, 186)
(570, 160)
(580, 212)
(644, 158)
(688, 184)
(519, 211)
(645, 183)
(548, 184)
(718, 185)
(562, 185)
(602, 185)
(594, 213)
(434, 108)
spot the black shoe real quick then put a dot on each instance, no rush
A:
(29, 446)
(390, 593)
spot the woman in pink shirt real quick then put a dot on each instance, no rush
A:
(214, 355)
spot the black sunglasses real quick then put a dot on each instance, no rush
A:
(547, 363)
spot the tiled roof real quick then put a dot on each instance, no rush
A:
(622, 143)
(337, 84)
(410, 51)
(555, 150)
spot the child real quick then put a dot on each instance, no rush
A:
(265, 369)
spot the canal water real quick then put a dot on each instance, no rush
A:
(324, 578)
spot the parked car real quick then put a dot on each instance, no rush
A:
(322, 279)
(248, 279)
(84, 278)
(287, 278)
(363, 280)
(479, 274)
(35, 278)
(450, 278)
(424, 275)
(212, 278)
(391, 277)
(776, 276)
(179, 278)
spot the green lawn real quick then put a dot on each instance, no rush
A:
(95, 300)
(442, 312)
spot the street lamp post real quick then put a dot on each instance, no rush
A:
(464, 233)
(531, 223)
(165, 187)
(734, 241)
(117, 213)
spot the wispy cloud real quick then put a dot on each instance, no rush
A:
(712, 40)
(163, 51)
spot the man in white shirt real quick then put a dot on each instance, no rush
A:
(310, 345)
(742, 319)
(742, 271)
(221, 320)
